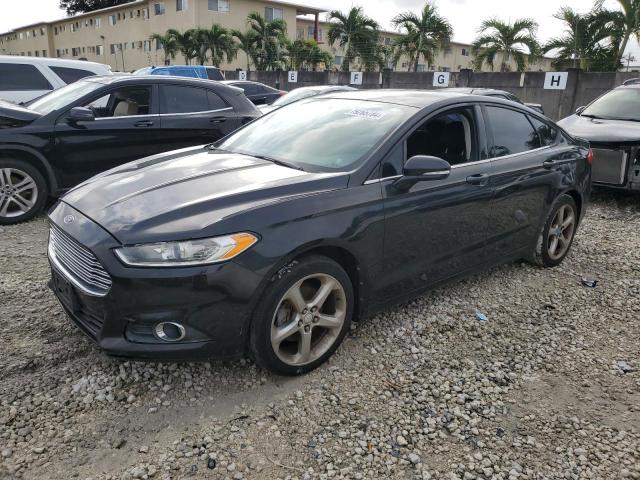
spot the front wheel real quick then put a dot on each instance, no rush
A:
(303, 316)
(555, 239)
(23, 191)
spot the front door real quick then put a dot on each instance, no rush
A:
(125, 129)
(437, 228)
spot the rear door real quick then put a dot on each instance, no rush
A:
(193, 116)
(22, 82)
(437, 228)
(529, 158)
(125, 129)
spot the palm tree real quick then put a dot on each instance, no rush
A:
(630, 23)
(356, 33)
(269, 39)
(515, 40)
(425, 33)
(169, 45)
(246, 41)
(316, 56)
(219, 42)
(187, 43)
(590, 40)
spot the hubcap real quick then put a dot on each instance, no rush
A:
(561, 232)
(308, 319)
(18, 192)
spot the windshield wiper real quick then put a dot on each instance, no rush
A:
(282, 163)
(591, 116)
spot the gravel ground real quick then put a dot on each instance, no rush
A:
(548, 387)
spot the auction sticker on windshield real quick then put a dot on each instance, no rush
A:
(368, 114)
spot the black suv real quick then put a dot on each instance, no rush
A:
(98, 123)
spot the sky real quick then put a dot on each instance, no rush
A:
(464, 15)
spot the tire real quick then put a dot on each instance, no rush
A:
(23, 191)
(549, 252)
(285, 323)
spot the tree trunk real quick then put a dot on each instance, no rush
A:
(623, 47)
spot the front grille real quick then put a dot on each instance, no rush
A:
(77, 263)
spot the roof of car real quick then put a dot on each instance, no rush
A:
(478, 91)
(168, 79)
(58, 62)
(410, 98)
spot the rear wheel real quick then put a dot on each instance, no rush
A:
(23, 191)
(556, 237)
(303, 317)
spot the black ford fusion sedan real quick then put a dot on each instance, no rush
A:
(271, 241)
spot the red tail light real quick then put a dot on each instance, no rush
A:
(590, 157)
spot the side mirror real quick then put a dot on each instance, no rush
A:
(421, 168)
(81, 114)
(579, 110)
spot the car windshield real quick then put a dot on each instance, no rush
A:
(319, 134)
(620, 104)
(63, 96)
(295, 95)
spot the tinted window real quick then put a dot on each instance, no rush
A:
(337, 133)
(123, 102)
(393, 163)
(249, 88)
(548, 134)
(70, 75)
(215, 102)
(178, 99)
(214, 74)
(16, 76)
(512, 132)
(450, 136)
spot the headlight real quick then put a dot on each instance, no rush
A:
(186, 253)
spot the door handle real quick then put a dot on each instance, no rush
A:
(218, 119)
(143, 123)
(478, 179)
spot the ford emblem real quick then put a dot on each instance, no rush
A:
(69, 219)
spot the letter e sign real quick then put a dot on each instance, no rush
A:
(242, 75)
(440, 79)
(555, 80)
(292, 77)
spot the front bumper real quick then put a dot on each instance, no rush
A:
(213, 303)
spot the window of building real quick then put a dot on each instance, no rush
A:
(99, 50)
(28, 34)
(147, 46)
(421, 67)
(44, 53)
(97, 23)
(145, 13)
(112, 48)
(272, 13)
(181, 5)
(158, 44)
(159, 8)
(512, 132)
(219, 6)
(20, 35)
(75, 52)
(42, 31)
(37, 53)
(338, 59)
(55, 30)
(112, 20)
(465, 52)
(300, 34)
(22, 77)
(35, 33)
(130, 13)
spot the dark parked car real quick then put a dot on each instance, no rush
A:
(611, 124)
(258, 93)
(492, 92)
(304, 92)
(272, 244)
(95, 124)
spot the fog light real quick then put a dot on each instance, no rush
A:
(169, 331)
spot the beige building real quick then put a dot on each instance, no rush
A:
(120, 36)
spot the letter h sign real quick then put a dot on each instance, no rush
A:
(555, 80)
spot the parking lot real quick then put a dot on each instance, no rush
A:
(547, 387)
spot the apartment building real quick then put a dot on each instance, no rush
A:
(120, 35)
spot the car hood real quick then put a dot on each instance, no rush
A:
(601, 130)
(267, 108)
(184, 194)
(11, 111)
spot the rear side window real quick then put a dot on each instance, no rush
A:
(22, 77)
(179, 99)
(214, 74)
(70, 75)
(249, 88)
(215, 102)
(548, 135)
(512, 132)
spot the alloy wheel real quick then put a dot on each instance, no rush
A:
(308, 319)
(18, 192)
(561, 232)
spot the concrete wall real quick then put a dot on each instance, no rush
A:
(581, 89)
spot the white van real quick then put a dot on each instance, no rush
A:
(24, 78)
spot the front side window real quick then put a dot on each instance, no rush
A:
(178, 99)
(337, 133)
(22, 77)
(123, 102)
(512, 132)
(450, 136)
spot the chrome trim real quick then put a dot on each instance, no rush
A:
(468, 164)
(158, 331)
(198, 113)
(125, 117)
(522, 153)
(380, 180)
(77, 265)
(435, 173)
